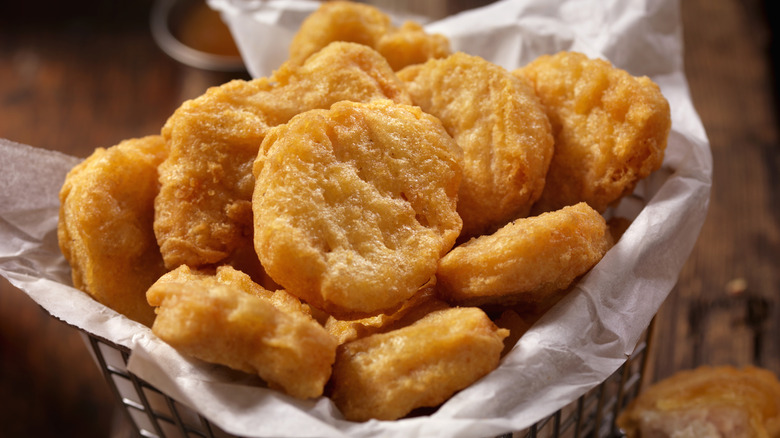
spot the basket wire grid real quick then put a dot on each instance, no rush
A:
(153, 414)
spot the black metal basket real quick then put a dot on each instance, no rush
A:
(154, 414)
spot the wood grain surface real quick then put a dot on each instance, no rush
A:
(726, 306)
(76, 76)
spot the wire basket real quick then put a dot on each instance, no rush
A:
(154, 414)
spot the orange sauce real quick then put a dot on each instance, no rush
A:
(202, 29)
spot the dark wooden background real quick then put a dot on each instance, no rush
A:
(79, 75)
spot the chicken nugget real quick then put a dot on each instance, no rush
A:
(203, 211)
(364, 24)
(338, 21)
(410, 44)
(707, 402)
(353, 206)
(385, 376)
(105, 225)
(280, 298)
(610, 129)
(526, 260)
(203, 206)
(497, 120)
(226, 319)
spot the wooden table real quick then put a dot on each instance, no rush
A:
(76, 76)
(726, 307)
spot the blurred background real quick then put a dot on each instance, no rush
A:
(79, 75)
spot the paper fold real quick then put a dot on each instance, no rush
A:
(574, 347)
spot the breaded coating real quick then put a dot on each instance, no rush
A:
(353, 206)
(526, 260)
(707, 402)
(610, 129)
(338, 21)
(364, 24)
(227, 319)
(105, 225)
(203, 211)
(410, 44)
(497, 120)
(385, 376)
(340, 71)
(420, 304)
(280, 298)
(203, 208)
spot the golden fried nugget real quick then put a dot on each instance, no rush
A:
(227, 319)
(353, 206)
(610, 129)
(203, 211)
(707, 402)
(420, 304)
(338, 21)
(526, 260)
(105, 225)
(387, 375)
(410, 44)
(203, 206)
(367, 25)
(279, 298)
(497, 120)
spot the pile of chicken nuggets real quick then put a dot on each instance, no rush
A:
(376, 222)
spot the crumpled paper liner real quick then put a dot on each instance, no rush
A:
(571, 349)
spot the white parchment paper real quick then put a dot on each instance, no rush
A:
(574, 347)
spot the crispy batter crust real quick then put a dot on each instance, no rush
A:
(385, 376)
(526, 260)
(497, 120)
(105, 225)
(363, 24)
(355, 205)
(227, 319)
(410, 44)
(338, 21)
(610, 129)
